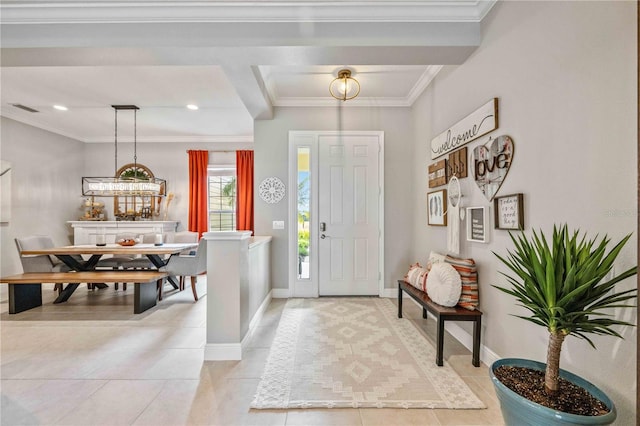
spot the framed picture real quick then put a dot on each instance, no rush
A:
(477, 224)
(508, 212)
(437, 208)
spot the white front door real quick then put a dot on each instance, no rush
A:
(349, 197)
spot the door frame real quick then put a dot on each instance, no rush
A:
(309, 138)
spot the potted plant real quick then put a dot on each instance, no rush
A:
(567, 288)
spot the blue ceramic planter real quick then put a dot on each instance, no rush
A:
(519, 411)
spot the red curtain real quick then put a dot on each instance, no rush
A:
(244, 191)
(198, 206)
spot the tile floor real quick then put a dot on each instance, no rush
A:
(92, 362)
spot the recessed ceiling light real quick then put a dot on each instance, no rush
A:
(192, 107)
(60, 107)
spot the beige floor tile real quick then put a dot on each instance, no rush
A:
(463, 366)
(118, 402)
(151, 368)
(252, 365)
(233, 408)
(29, 402)
(181, 402)
(398, 417)
(317, 417)
(263, 336)
(466, 417)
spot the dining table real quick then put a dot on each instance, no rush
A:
(85, 257)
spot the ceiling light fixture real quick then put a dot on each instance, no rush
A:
(344, 87)
(136, 183)
(192, 107)
(60, 107)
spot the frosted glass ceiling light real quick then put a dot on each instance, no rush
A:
(344, 87)
(135, 183)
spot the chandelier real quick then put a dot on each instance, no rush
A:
(344, 87)
(133, 183)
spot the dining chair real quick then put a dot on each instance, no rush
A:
(39, 263)
(190, 265)
(186, 237)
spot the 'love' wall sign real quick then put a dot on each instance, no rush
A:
(478, 123)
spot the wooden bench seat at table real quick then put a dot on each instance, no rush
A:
(25, 290)
(443, 314)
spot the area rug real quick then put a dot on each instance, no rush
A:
(355, 352)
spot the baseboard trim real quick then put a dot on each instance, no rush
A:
(257, 317)
(280, 293)
(223, 352)
(389, 293)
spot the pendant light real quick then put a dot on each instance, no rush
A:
(137, 185)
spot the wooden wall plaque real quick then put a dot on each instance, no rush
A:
(438, 173)
(457, 164)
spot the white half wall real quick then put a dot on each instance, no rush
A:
(565, 74)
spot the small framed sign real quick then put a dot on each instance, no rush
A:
(477, 224)
(438, 173)
(508, 212)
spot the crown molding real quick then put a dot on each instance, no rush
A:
(402, 102)
(363, 102)
(100, 11)
(423, 82)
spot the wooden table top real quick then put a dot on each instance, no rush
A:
(84, 277)
(143, 249)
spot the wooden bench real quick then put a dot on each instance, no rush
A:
(443, 314)
(25, 290)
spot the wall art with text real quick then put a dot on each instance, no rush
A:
(491, 163)
(477, 124)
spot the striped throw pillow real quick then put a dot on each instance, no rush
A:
(417, 277)
(469, 276)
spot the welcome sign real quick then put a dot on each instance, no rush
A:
(477, 124)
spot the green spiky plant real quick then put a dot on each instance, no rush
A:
(564, 288)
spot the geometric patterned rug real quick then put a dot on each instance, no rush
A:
(355, 352)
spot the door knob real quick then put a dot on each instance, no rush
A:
(323, 236)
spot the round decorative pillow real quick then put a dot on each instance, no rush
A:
(444, 284)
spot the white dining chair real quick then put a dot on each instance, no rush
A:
(39, 263)
(189, 266)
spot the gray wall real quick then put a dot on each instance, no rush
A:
(565, 75)
(271, 159)
(45, 187)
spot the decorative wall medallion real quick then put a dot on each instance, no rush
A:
(477, 124)
(491, 163)
(438, 173)
(457, 164)
(272, 190)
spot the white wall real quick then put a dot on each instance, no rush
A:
(271, 159)
(45, 190)
(565, 75)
